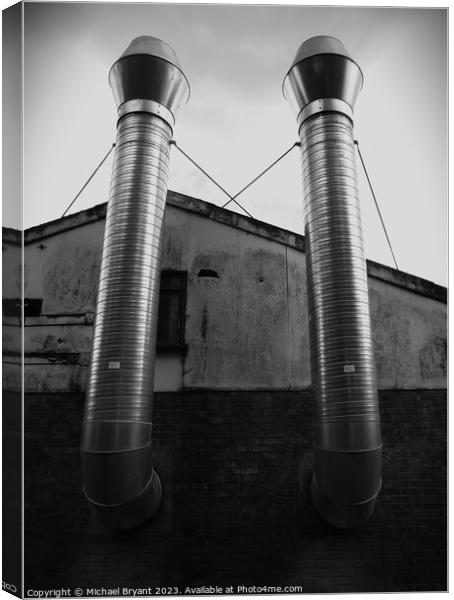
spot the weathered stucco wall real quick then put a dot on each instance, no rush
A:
(246, 323)
(409, 333)
(237, 328)
(11, 288)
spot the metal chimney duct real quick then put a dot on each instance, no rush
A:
(118, 475)
(321, 86)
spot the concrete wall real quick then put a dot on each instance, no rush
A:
(246, 328)
(11, 288)
(409, 333)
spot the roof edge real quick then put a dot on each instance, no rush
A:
(211, 211)
(12, 236)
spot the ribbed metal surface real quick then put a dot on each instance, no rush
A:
(321, 87)
(120, 385)
(116, 449)
(342, 359)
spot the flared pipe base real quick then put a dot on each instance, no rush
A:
(346, 484)
(342, 516)
(134, 512)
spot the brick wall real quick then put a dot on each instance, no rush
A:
(12, 494)
(236, 469)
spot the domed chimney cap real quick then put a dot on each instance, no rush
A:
(146, 44)
(322, 69)
(149, 70)
(320, 44)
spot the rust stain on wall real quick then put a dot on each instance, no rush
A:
(409, 334)
(381, 318)
(71, 279)
(76, 338)
(172, 248)
(432, 358)
(241, 317)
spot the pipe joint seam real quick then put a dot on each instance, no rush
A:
(366, 501)
(117, 504)
(134, 449)
(357, 451)
(360, 473)
(324, 105)
(147, 106)
(340, 515)
(134, 511)
(123, 487)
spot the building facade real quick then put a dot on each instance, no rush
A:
(232, 415)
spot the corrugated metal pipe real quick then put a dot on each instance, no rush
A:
(321, 86)
(118, 475)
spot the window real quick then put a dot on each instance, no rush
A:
(12, 307)
(172, 309)
(171, 316)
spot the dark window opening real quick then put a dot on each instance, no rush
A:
(207, 273)
(12, 307)
(172, 309)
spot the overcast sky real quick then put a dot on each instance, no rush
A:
(237, 121)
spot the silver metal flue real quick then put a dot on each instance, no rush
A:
(118, 474)
(321, 86)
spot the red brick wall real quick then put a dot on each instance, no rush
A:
(236, 469)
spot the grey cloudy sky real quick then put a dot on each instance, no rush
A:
(236, 121)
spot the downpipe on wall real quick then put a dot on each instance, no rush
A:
(321, 86)
(118, 475)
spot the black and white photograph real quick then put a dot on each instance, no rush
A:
(225, 270)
